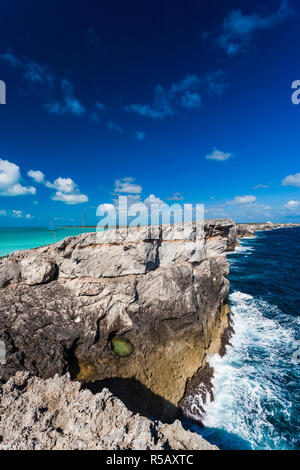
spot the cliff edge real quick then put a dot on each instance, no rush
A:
(137, 314)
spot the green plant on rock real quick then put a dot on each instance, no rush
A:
(122, 346)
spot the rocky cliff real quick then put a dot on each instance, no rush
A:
(55, 414)
(137, 313)
(248, 230)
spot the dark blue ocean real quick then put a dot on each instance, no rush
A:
(256, 385)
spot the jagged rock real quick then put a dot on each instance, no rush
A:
(9, 272)
(37, 270)
(245, 231)
(248, 230)
(222, 230)
(55, 415)
(164, 289)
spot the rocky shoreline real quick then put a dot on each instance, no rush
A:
(137, 315)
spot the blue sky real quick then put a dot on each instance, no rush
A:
(175, 101)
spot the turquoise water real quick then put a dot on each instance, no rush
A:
(22, 238)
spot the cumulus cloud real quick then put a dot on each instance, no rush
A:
(237, 30)
(292, 205)
(37, 175)
(68, 198)
(10, 177)
(66, 185)
(67, 191)
(241, 200)
(292, 180)
(152, 199)
(168, 101)
(219, 155)
(127, 185)
(19, 190)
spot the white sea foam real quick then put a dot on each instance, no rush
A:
(247, 380)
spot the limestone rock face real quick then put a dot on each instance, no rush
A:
(37, 270)
(245, 231)
(248, 230)
(9, 272)
(220, 234)
(164, 289)
(55, 415)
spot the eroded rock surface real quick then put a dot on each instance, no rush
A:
(248, 230)
(165, 290)
(55, 414)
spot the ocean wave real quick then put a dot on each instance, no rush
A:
(249, 403)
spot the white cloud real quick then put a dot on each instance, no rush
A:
(68, 104)
(261, 186)
(127, 185)
(292, 205)
(17, 214)
(9, 174)
(3, 213)
(37, 175)
(152, 199)
(176, 197)
(70, 198)
(67, 191)
(9, 180)
(131, 199)
(241, 200)
(292, 180)
(219, 155)
(168, 101)
(66, 185)
(19, 190)
(237, 30)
